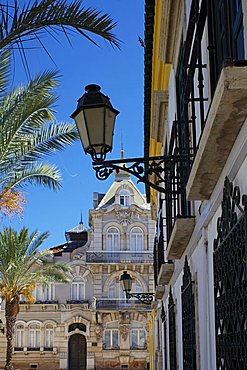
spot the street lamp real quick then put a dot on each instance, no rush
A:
(95, 120)
(126, 282)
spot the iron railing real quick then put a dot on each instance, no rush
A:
(138, 348)
(172, 333)
(192, 95)
(188, 320)
(77, 301)
(119, 256)
(226, 46)
(41, 302)
(120, 304)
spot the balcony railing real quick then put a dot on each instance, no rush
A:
(120, 304)
(41, 302)
(120, 256)
(194, 79)
(105, 346)
(77, 301)
(138, 348)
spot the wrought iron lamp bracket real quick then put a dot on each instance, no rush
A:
(160, 172)
(146, 298)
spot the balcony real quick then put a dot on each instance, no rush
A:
(120, 257)
(77, 301)
(226, 116)
(138, 348)
(180, 237)
(113, 348)
(165, 273)
(121, 304)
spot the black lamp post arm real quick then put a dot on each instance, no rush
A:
(160, 173)
(146, 298)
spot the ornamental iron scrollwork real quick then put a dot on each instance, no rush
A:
(188, 320)
(172, 333)
(146, 298)
(230, 281)
(167, 174)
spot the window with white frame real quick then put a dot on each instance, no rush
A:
(49, 292)
(44, 292)
(19, 336)
(112, 240)
(78, 289)
(38, 292)
(124, 198)
(111, 335)
(136, 239)
(34, 336)
(49, 334)
(137, 335)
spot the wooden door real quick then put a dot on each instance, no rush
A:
(77, 352)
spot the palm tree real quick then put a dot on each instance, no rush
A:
(22, 267)
(27, 22)
(28, 133)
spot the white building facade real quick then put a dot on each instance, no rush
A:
(195, 115)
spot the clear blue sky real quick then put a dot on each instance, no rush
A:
(121, 76)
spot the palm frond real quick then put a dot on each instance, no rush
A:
(18, 24)
(4, 71)
(52, 138)
(43, 174)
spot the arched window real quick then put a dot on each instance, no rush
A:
(137, 335)
(111, 335)
(34, 337)
(136, 239)
(49, 335)
(136, 286)
(78, 289)
(112, 290)
(124, 198)
(112, 240)
(19, 337)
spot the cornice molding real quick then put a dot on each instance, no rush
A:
(171, 17)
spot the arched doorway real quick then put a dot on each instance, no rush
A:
(77, 352)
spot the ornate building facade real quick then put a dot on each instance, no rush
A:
(196, 117)
(88, 323)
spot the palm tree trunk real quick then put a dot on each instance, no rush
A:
(11, 310)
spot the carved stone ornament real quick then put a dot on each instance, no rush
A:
(124, 331)
(124, 318)
(125, 217)
(98, 331)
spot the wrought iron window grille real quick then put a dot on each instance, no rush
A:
(230, 280)
(172, 332)
(188, 320)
